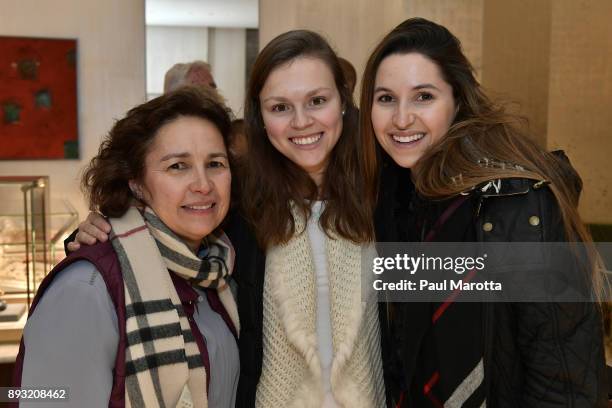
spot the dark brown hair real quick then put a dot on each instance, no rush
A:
(482, 130)
(271, 181)
(349, 73)
(122, 154)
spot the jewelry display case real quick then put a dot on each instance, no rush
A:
(32, 229)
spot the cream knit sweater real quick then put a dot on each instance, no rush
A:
(291, 371)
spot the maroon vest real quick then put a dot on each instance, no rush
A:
(104, 258)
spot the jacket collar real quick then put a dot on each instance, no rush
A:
(505, 187)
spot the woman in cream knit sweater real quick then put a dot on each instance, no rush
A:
(309, 338)
(303, 192)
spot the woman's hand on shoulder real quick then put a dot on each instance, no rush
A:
(95, 228)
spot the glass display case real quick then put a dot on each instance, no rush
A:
(32, 229)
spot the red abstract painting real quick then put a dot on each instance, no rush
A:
(38, 98)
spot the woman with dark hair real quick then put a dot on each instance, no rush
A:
(308, 339)
(457, 167)
(147, 318)
(303, 193)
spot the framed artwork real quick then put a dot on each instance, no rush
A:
(38, 98)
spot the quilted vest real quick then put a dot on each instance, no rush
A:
(104, 258)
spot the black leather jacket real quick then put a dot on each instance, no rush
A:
(535, 354)
(539, 354)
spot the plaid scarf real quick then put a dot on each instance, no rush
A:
(163, 362)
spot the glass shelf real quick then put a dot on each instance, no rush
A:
(32, 230)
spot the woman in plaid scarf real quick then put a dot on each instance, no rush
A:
(146, 318)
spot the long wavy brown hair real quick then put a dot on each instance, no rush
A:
(271, 182)
(482, 132)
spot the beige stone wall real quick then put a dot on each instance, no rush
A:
(515, 57)
(111, 73)
(353, 27)
(580, 98)
(464, 18)
(554, 57)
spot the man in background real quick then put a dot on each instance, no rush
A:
(196, 73)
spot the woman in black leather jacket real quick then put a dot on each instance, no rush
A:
(451, 154)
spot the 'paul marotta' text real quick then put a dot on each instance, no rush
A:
(445, 285)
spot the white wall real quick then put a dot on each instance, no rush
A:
(223, 48)
(167, 46)
(111, 68)
(227, 55)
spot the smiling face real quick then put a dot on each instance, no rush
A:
(302, 111)
(187, 178)
(413, 106)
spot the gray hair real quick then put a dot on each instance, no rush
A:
(178, 75)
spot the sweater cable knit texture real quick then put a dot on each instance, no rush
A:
(291, 372)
